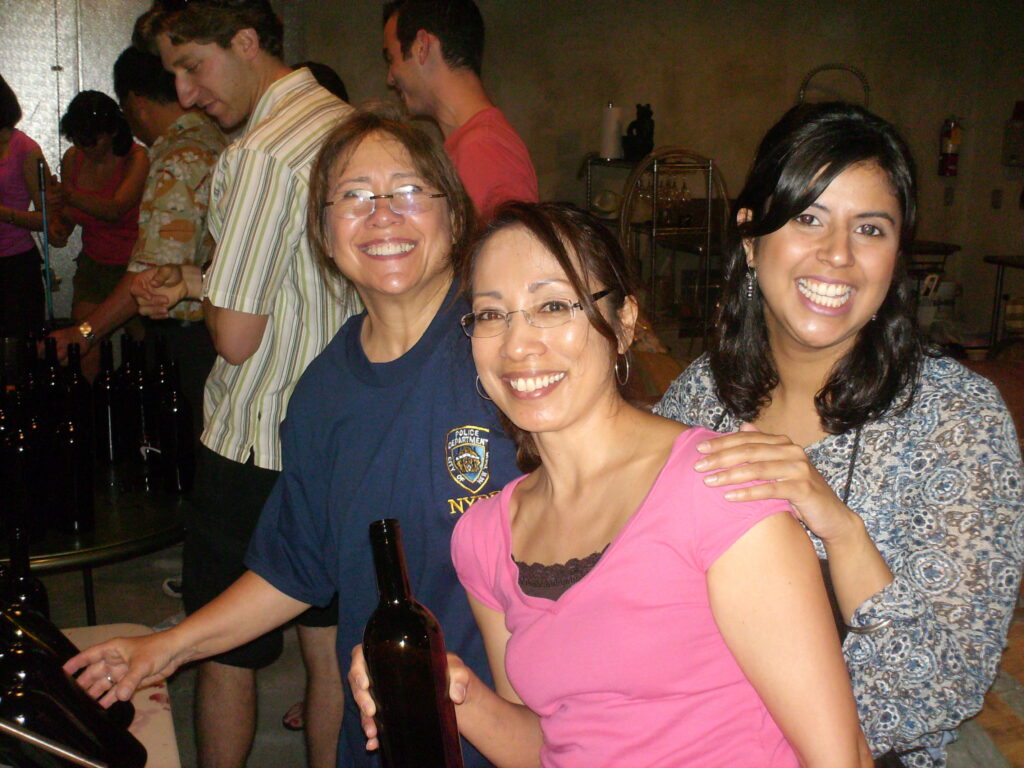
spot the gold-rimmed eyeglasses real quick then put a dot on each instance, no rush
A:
(361, 202)
(551, 313)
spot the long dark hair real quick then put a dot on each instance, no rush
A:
(91, 113)
(588, 253)
(10, 109)
(798, 158)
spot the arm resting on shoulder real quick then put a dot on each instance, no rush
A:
(769, 602)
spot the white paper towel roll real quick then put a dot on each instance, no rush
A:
(611, 132)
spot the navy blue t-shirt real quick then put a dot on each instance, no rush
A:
(408, 439)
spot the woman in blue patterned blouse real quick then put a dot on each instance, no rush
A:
(903, 465)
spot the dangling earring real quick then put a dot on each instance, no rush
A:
(874, 317)
(620, 377)
(751, 279)
(480, 390)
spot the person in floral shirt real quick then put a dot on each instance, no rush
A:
(183, 149)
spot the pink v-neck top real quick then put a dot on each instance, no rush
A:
(627, 667)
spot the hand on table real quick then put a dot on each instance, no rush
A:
(781, 470)
(158, 289)
(114, 670)
(460, 680)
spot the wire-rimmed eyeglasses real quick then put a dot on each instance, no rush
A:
(362, 202)
(551, 313)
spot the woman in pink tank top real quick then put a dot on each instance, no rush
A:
(21, 286)
(103, 176)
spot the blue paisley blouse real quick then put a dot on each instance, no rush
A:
(941, 491)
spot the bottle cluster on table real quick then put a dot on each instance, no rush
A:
(37, 695)
(63, 439)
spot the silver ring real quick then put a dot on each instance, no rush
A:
(110, 679)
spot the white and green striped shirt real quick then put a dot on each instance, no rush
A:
(263, 265)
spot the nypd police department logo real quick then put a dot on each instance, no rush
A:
(467, 457)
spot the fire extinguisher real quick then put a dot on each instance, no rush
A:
(950, 136)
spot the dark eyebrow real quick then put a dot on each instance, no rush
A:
(866, 215)
(876, 214)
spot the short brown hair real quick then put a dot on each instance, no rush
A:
(428, 158)
(209, 21)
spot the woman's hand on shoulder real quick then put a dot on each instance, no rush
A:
(780, 469)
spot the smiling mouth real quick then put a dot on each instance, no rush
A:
(388, 249)
(533, 383)
(825, 294)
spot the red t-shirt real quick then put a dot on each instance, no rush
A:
(492, 162)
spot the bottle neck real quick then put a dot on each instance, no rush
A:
(389, 561)
(19, 549)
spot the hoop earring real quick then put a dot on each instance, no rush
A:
(751, 279)
(619, 376)
(480, 390)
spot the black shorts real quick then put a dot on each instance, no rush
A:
(320, 617)
(226, 501)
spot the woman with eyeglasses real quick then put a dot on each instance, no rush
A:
(631, 615)
(386, 422)
(102, 178)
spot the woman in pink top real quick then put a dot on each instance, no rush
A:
(21, 284)
(103, 176)
(632, 615)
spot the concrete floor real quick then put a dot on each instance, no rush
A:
(132, 592)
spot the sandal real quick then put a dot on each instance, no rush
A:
(293, 719)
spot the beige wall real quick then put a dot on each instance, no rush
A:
(718, 73)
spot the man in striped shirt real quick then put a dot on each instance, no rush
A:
(268, 309)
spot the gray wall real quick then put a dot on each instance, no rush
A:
(718, 73)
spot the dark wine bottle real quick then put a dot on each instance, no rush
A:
(79, 392)
(20, 625)
(105, 411)
(36, 693)
(407, 665)
(26, 589)
(53, 387)
(177, 443)
(142, 417)
(73, 508)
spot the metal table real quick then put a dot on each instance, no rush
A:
(128, 524)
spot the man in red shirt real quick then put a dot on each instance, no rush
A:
(434, 50)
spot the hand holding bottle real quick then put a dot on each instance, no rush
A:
(461, 680)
